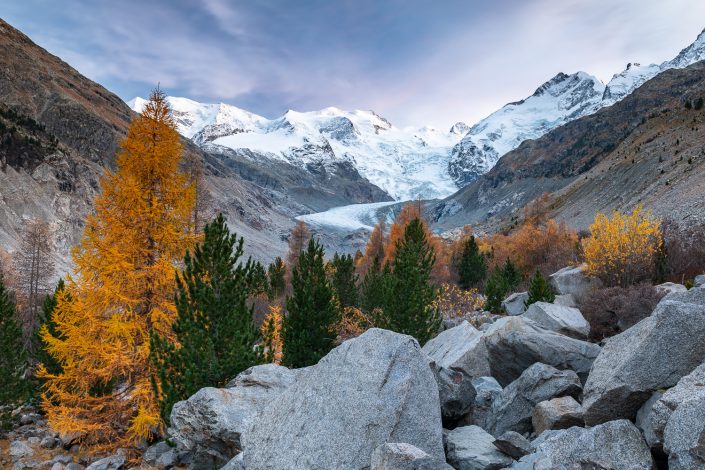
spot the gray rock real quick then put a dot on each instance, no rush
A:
(515, 343)
(58, 466)
(30, 418)
(653, 417)
(699, 280)
(459, 355)
(646, 421)
(63, 459)
(684, 437)
(514, 304)
(236, 463)
(20, 449)
(573, 281)
(671, 287)
(566, 300)
(472, 448)
(370, 390)
(557, 413)
(400, 456)
(565, 320)
(486, 390)
(160, 455)
(615, 445)
(48, 442)
(512, 409)
(74, 466)
(513, 444)
(653, 354)
(208, 427)
(114, 462)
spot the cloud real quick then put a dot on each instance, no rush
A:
(413, 61)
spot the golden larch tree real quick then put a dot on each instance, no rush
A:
(122, 288)
(621, 250)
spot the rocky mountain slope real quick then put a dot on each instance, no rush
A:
(560, 100)
(648, 148)
(360, 152)
(60, 131)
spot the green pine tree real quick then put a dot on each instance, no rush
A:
(539, 290)
(41, 356)
(372, 289)
(14, 388)
(257, 282)
(214, 328)
(472, 265)
(344, 279)
(308, 329)
(511, 275)
(408, 290)
(276, 273)
(495, 290)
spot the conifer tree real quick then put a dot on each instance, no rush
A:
(511, 274)
(214, 335)
(344, 279)
(123, 290)
(539, 290)
(496, 290)
(271, 335)
(257, 282)
(41, 355)
(276, 273)
(472, 266)
(408, 291)
(308, 329)
(373, 287)
(13, 357)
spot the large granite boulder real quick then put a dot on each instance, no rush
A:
(653, 354)
(565, 320)
(512, 409)
(472, 448)
(615, 445)
(208, 427)
(370, 390)
(557, 413)
(401, 456)
(459, 355)
(684, 437)
(654, 415)
(573, 280)
(515, 343)
(515, 304)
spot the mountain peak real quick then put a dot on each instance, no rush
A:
(459, 128)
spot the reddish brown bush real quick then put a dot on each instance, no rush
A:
(685, 251)
(614, 309)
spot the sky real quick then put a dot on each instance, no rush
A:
(415, 62)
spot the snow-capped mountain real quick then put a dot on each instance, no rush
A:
(556, 102)
(406, 163)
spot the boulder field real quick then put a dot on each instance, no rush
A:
(525, 392)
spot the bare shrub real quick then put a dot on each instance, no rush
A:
(612, 310)
(685, 251)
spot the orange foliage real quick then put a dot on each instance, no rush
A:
(353, 322)
(374, 249)
(271, 331)
(548, 247)
(122, 289)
